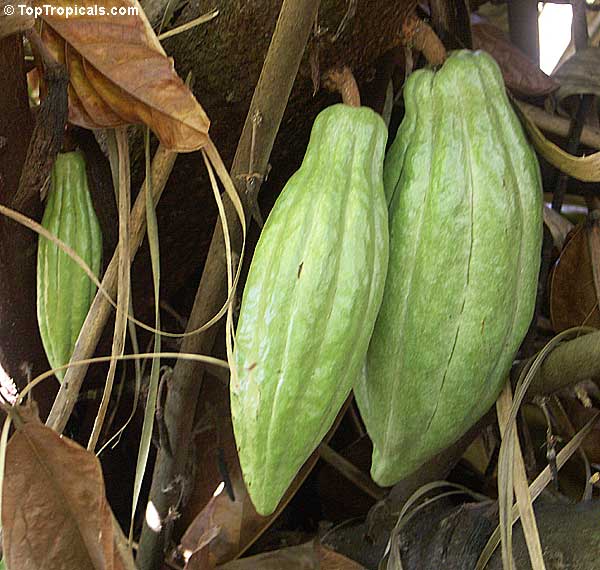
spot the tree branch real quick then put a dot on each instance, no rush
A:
(523, 24)
(20, 342)
(557, 125)
(568, 364)
(48, 134)
(451, 21)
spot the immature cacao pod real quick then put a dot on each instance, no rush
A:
(310, 301)
(64, 291)
(465, 201)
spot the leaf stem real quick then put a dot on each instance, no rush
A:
(420, 36)
(341, 80)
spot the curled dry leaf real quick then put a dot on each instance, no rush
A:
(195, 543)
(520, 73)
(579, 74)
(558, 225)
(54, 506)
(119, 74)
(573, 299)
(585, 168)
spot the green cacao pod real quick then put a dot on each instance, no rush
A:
(310, 301)
(465, 202)
(64, 291)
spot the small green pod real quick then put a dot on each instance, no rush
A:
(64, 291)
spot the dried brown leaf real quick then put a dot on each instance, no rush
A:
(332, 560)
(573, 300)
(520, 73)
(593, 241)
(579, 74)
(215, 444)
(303, 557)
(55, 513)
(558, 225)
(200, 560)
(93, 104)
(199, 535)
(77, 113)
(120, 74)
(238, 522)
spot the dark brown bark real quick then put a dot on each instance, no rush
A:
(451, 20)
(451, 537)
(523, 22)
(20, 343)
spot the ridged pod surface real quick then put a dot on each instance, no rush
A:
(64, 291)
(465, 202)
(310, 301)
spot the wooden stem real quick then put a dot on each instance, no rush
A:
(420, 36)
(341, 80)
(451, 21)
(351, 472)
(557, 125)
(523, 24)
(568, 364)
(48, 135)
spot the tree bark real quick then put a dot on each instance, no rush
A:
(20, 342)
(523, 23)
(451, 20)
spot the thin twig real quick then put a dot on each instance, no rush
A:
(189, 25)
(579, 32)
(124, 278)
(557, 125)
(351, 472)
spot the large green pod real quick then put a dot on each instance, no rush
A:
(64, 291)
(310, 302)
(464, 195)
